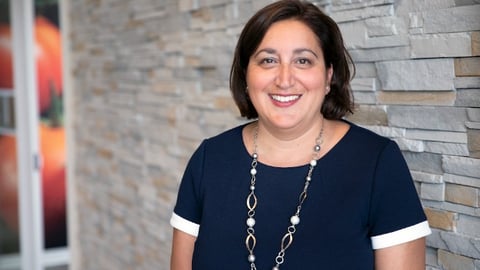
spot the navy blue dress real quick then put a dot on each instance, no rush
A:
(361, 198)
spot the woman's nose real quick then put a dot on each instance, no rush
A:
(285, 77)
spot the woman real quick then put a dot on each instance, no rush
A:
(298, 188)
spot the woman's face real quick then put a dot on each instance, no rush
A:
(286, 76)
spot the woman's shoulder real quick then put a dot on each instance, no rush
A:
(228, 140)
(362, 145)
(226, 146)
(227, 135)
(365, 137)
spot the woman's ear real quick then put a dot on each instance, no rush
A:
(329, 78)
(330, 74)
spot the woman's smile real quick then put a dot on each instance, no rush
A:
(284, 100)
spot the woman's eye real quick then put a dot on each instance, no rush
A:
(303, 61)
(267, 61)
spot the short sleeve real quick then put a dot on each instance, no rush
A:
(187, 213)
(396, 214)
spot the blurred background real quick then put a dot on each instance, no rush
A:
(40, 98)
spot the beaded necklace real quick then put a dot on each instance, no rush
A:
(252, 201)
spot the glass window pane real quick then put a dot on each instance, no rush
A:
(9, 236)
(7, 117)
(51, 128)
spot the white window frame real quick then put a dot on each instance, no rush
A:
(32, 255)
(26, 130)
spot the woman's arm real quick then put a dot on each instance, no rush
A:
(182, 250)
(406, 256)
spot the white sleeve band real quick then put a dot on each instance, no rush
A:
(184, 225)
(401, 236)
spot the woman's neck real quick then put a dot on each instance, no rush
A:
(287, 148)
(280, 148)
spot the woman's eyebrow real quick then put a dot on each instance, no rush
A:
(301, 50)
(266, 50)
(296, 51)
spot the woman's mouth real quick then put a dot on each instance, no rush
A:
(285, 99)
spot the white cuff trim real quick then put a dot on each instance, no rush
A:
(184, 225)
(401, 236)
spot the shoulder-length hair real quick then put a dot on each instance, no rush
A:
(339, 100)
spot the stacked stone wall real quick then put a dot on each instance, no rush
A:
(150, 81)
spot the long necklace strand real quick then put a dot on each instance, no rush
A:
(252, 201)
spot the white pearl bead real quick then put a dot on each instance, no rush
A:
(313, 162)
(251, 258)
(250, 222)
(252, 187)
(253, 171)
(275, 268)
(295, 220)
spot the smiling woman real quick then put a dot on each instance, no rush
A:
(298, 187)
(287, 77)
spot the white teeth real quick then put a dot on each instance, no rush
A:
(285, 98)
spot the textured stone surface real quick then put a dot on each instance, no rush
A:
(380, 54)
(462, 195)
(433, 192)
(473, 136)
(441, 219)
(472, 125)
(354, 33)
(456, 243)
(467, 67)
(441, 45)
(415, 75)
(456, 19)
(462, 180)
(365, 98)
(365, 70)
(450, 261)
(462, 166)
(381, 26)
(452, 207)
(410, 145)
(476, 43)
(427, 177)
(454, 149)
(431, 258)
(364, 84)
(386, 131)
(433, 118)
(424, 162)
(467, 82)
(468, 225)
(369, 115)
(362, 13)
(423, 98)
(468, 98)
(387, 41)
(473, 114)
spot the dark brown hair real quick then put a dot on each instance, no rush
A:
(339, 100)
